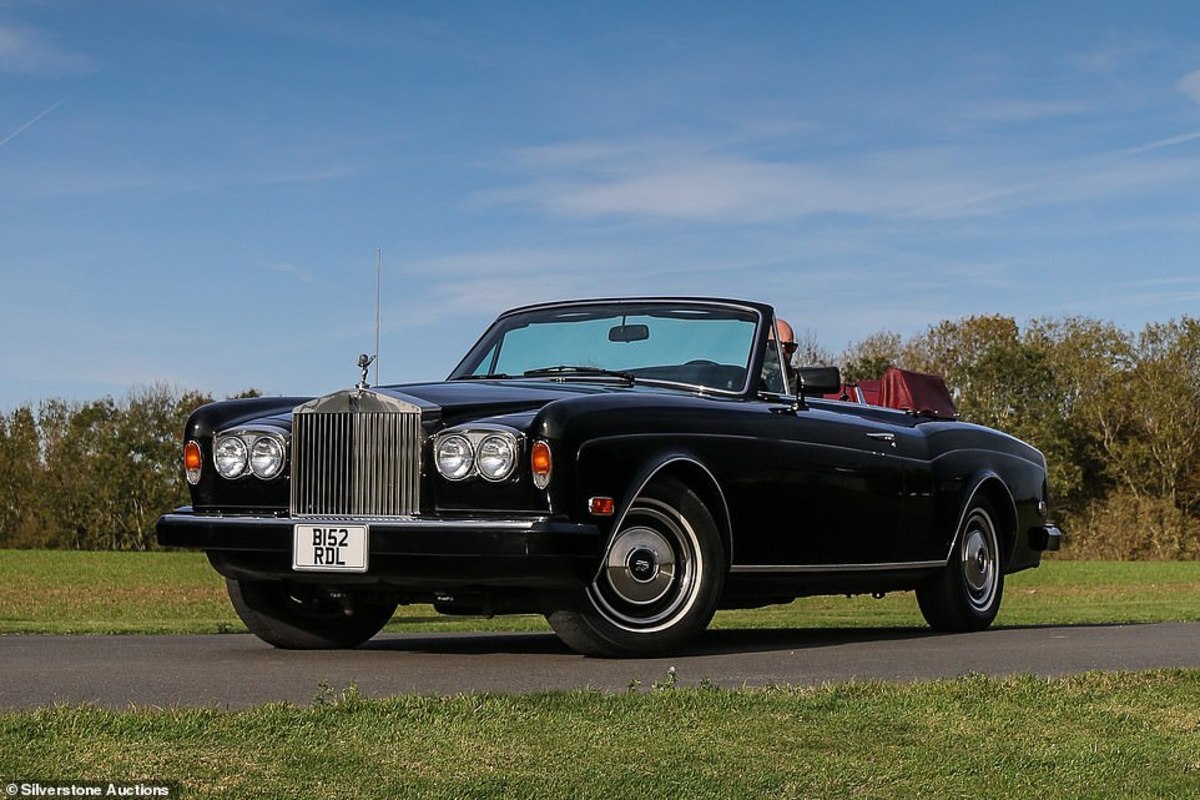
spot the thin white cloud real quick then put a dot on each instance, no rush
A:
(514, 261)
(651, 180)
(60, 177)
(68, 180)
(1190, 85)
(21, 129)
(316, 173)
(1152, 299)
(1110, 59)
(1165, 282)
(25, 51)
(299, 273)
(1159, 144)
(1026, 110)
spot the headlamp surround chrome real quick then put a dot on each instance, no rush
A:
(490, 452)
(245, 452)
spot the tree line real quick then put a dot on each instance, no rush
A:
(95, 475)
(1117, 414)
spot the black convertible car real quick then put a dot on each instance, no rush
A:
(625, 467)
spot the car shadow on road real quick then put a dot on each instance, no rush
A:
(713, 642)
(748, 640)
(468, 643)
(723, 641)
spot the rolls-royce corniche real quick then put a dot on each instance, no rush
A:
(625, 467)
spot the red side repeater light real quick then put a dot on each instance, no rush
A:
(602, 506)
(193, 462)
(540, 464)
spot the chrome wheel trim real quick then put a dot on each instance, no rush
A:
(646, 601)
(980, 561)
(641, 565)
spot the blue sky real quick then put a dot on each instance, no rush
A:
(193, 193)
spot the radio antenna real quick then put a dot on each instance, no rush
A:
(378, 305)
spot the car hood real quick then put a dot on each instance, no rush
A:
(512, 402)
(457, 401)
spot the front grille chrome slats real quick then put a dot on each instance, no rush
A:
(356, 454)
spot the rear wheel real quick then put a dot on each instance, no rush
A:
(966, 595)
(304, 617)
(658, 586)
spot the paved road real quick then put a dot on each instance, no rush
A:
(239, 670)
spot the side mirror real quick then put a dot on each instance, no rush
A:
(819, 380)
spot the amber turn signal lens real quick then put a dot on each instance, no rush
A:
(539, 463)
(193, 462)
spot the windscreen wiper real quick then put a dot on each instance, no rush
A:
(577, 369)
(489, 376)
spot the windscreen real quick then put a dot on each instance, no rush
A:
(696, 345)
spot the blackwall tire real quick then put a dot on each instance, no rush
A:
(966, 595)
(304, 617)
(658, 586)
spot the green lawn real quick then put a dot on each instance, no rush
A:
(1128, 735)
(1088, 736)
(99, 592)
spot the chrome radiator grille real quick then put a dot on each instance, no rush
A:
(356, 455)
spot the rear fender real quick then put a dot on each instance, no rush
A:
(988, 484)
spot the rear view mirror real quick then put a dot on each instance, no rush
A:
(629, 333)
(819, 380)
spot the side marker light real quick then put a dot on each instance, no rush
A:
(602, 506)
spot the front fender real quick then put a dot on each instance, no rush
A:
(621, 467)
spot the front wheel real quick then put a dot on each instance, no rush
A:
(304, 617)
(658, 585)
(966, 595)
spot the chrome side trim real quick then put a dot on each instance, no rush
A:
(822, 568)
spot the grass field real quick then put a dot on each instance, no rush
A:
(1089, 736)
(1129, 735)
(56, 591)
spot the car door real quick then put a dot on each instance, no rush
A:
(829, 492)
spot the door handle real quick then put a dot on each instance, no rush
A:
(890, 438)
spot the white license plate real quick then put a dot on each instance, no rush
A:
(330, 548)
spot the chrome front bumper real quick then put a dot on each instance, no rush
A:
(532, 552)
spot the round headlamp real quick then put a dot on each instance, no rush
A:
(229, 457)
(267, 457)
(496, 457)
(455, 457)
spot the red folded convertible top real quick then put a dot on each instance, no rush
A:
(915, 392)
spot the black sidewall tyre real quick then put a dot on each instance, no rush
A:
(637, 608)
(966, 595)
(301, 617)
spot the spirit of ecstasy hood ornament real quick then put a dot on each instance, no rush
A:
(364, 363)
